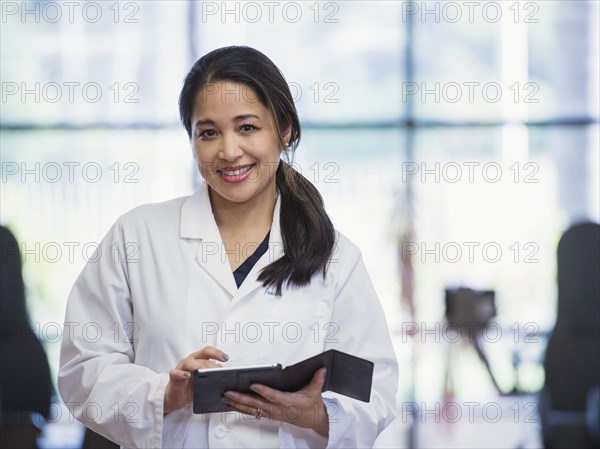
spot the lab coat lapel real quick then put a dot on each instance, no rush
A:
(274, 252)
(198, 222)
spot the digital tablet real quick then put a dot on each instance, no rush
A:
(346, 374)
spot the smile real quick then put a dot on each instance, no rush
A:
(236, 175)
(239, 171)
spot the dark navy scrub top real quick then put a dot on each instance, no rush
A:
(242, 271)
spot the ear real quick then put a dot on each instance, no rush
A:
(286, 136)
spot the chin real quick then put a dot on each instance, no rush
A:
(239, 193)
(239, 196)
(239, 199)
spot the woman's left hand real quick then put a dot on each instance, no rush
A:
(303, 408)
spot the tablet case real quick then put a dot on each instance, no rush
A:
(346, 374)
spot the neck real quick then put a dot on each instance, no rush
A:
(256, 214)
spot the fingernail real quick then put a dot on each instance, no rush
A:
(228, 394)
(225, 357)
(253, 388)
(324, 373)
(186, 374)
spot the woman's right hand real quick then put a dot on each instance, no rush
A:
(179, 389)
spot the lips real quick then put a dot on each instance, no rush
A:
(236, 174)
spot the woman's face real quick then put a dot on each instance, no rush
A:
(235, 142)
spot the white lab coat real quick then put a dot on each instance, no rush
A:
(162, 288)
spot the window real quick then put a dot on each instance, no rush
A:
(452, 143)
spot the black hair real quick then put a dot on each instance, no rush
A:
(307, 232)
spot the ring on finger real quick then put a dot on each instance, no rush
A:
(258, 413)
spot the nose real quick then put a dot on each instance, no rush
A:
(230, 149)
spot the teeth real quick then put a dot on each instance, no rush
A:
(237, 172)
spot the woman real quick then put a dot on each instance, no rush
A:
(163, 288)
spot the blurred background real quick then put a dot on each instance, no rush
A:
(453, 142)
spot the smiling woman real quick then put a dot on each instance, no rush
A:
(193, 271)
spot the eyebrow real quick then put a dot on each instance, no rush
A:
(237, 118)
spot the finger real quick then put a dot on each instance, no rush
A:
(270, 394)
(209, 352)
(243, 409)
(247, 403)
(194, 364)
(318, 379)
(251, 408)
(178, 375)
(242, 398)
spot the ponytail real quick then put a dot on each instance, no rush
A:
(307, 232)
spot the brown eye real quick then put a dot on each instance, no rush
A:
(248, 128)
(207, 133)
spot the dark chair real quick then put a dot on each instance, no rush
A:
(92, 440)
(568, 403)
(25, 385)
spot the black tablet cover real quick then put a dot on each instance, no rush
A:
(346, 374)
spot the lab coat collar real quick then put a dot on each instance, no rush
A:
(198, 222)
(274, 252)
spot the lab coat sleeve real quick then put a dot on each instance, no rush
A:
(362, 331)
(98, 379)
